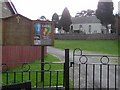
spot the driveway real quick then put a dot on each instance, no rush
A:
(105, 79)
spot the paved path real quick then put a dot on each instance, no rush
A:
(61, 55)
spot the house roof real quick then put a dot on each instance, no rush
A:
(105, 0)
(84, 19)
(15, 16)
(11, 6)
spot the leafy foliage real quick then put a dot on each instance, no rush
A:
(104, 13)
(88, 12)
(42, 18)
(65, 20)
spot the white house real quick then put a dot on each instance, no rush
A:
(87, 25)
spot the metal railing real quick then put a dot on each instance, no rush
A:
(94, 72)
(53, 78)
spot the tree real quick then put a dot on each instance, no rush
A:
(88, 12)
(43, 18)
(55, 18)
(104, 13)
(65, 20)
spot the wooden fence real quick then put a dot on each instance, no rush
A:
(19, 54)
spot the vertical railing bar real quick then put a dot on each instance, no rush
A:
(43, 79)
(73, 69)
(57, 82)
(50, 78)
(93, 75)
(29, 75)
(115, 77)
(64, 76)
(6, 77)
(79, 75)
(73, 75)
(22, 76)
(86, 77)
(14, 77)
(36, 79)
(108, 77)
(100, 76)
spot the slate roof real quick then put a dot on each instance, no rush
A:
(84, 19)
(11, 6)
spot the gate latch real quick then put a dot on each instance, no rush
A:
(71, 64)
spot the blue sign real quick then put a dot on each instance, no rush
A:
(37, 27)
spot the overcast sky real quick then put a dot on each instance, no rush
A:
(33, 9)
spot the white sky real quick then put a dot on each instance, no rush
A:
(33, 9)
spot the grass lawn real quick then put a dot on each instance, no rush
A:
(33, 67)
(102, 46)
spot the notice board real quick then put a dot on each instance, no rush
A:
(43, 32)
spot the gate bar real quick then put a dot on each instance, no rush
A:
(66, 67)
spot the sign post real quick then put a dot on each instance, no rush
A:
(42, 63)
(43, 36)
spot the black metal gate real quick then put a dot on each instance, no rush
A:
(92, 72)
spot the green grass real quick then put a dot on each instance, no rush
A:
(102, 46)
(48, 58)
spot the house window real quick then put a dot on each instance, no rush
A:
(90, 29)
(95, 31)
(76, 31)
(71, 27)
(80, 27)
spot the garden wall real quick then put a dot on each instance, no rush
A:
(86, 36)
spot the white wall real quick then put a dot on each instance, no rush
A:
(95, 27)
